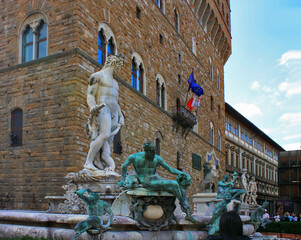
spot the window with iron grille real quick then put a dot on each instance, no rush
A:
(16, 127)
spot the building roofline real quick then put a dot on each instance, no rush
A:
(231, 111)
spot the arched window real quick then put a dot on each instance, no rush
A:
(134, 73)
(101, 48)
(210, 69)
(111, 46)
(138, 73)
(27, 45)
(161, 5)
(106, 42)
(33, 37)
(211, 134)
(158, 146)
(16, 127)
(212, 103)
(218, 81)
(176, 19)
(34, 42)
(163, 96)
(42, 40)
(193, 46)
(140, 78)
(160, 91)
(219, 141)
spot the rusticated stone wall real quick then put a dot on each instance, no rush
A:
(51, 91)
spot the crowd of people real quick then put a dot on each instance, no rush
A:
(285, 217)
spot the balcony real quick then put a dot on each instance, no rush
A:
(184, 118)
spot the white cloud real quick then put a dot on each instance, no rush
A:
(290, 88)
(267, 89)
(292, 146)
(255, 85)
(267, 131)
(291, 119)
(296, 136)
(290, 56)
(292, 84)
(248, 110)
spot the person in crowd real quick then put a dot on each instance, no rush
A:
(271, 216)
(299, 218)
(230, 226)
(292, 217)
(266, 215)
(286, 216)
(277, 218)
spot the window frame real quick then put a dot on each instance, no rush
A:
(32, 23)
(161, 99)
(16, 132)
(109, 42)
(40, 40)
(102, 48)
(176, 20)
(210, 69)
(138, 73)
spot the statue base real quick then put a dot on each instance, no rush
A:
(35, 224)
(153, 210)
(245, 209)
(101, 182)
(203, 203)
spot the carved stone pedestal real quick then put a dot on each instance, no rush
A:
(152, 210)
(101, 182)
(245, 209)
(203, 203)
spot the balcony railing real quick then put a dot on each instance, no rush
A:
(183, 117)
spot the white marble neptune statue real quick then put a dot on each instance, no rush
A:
(105, 117)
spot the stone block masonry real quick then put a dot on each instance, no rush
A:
(51, 91)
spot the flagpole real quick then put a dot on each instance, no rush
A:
(188, 90)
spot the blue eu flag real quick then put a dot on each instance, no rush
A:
(195, 88)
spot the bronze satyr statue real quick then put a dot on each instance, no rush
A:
(256, 216)
(96, 209)
(145, 165)
(227, 195)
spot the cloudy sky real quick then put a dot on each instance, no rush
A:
(263, 74)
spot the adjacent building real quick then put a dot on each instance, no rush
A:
(48, 50)
(289, 181)
(248, 147)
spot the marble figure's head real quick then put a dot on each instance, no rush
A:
(116, 61)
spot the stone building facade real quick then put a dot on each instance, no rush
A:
(289, 182)
(48, 50)
(248, 147)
